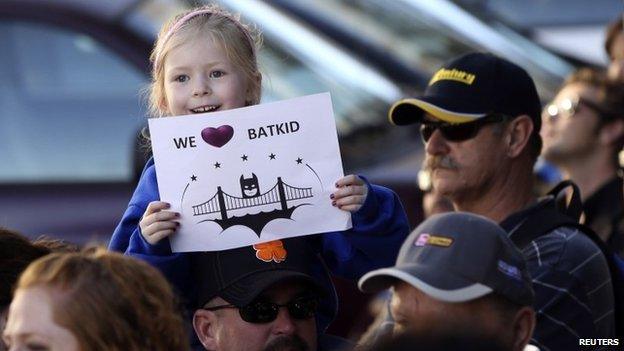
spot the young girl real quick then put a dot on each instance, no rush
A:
(204, 61)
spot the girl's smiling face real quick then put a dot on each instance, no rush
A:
(199, 77)
(31, 326)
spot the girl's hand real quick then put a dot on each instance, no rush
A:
(157, 223)
(351, 193)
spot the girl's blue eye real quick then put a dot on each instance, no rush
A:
(217, 74)
(181, 78)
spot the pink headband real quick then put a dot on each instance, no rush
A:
(199, 12)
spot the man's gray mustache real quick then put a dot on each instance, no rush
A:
(433, 162)
(290, 342)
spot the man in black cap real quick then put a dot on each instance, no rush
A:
(480, 121)
(264, 297)
(459, 273)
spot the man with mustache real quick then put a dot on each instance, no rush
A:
(480, 120)
(432, 201)
(264, 298)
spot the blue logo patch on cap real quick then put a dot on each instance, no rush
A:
(509, 270)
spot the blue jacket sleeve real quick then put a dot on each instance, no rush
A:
(145, 192)
(127, 237)
(379, 229)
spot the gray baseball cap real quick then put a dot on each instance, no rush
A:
(457, 257)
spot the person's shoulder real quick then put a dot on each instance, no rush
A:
(147, 187)
(149, 170)
(570, 249)
(572, 240)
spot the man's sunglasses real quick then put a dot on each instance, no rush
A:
(568, 108)
(261, 311)
(458, 131)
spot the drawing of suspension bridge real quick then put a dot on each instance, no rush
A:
(222, 202)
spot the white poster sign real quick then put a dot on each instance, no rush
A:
(250, 175)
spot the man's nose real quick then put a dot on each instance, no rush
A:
(284, 324)
(436, 145)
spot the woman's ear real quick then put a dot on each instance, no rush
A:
(519, 131)
(204, 323)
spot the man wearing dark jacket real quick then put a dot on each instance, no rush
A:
(480, 121)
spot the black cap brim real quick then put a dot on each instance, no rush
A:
(410, 111)
(245, 290)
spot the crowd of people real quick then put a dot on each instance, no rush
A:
(494, 266)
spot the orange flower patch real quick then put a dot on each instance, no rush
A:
(271, 251)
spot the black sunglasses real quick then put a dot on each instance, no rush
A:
(458, 131)
(261, 311)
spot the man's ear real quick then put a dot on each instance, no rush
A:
(518, 134)
(523, 326)
(611, 132)
(204, 323)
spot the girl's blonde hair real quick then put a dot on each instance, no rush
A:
(241, 42)
(108, 301)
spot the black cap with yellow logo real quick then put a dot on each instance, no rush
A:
(471, 87)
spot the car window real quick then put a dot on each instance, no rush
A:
(426, 43)
(69, 107)
(416, 39)
(284, 77)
